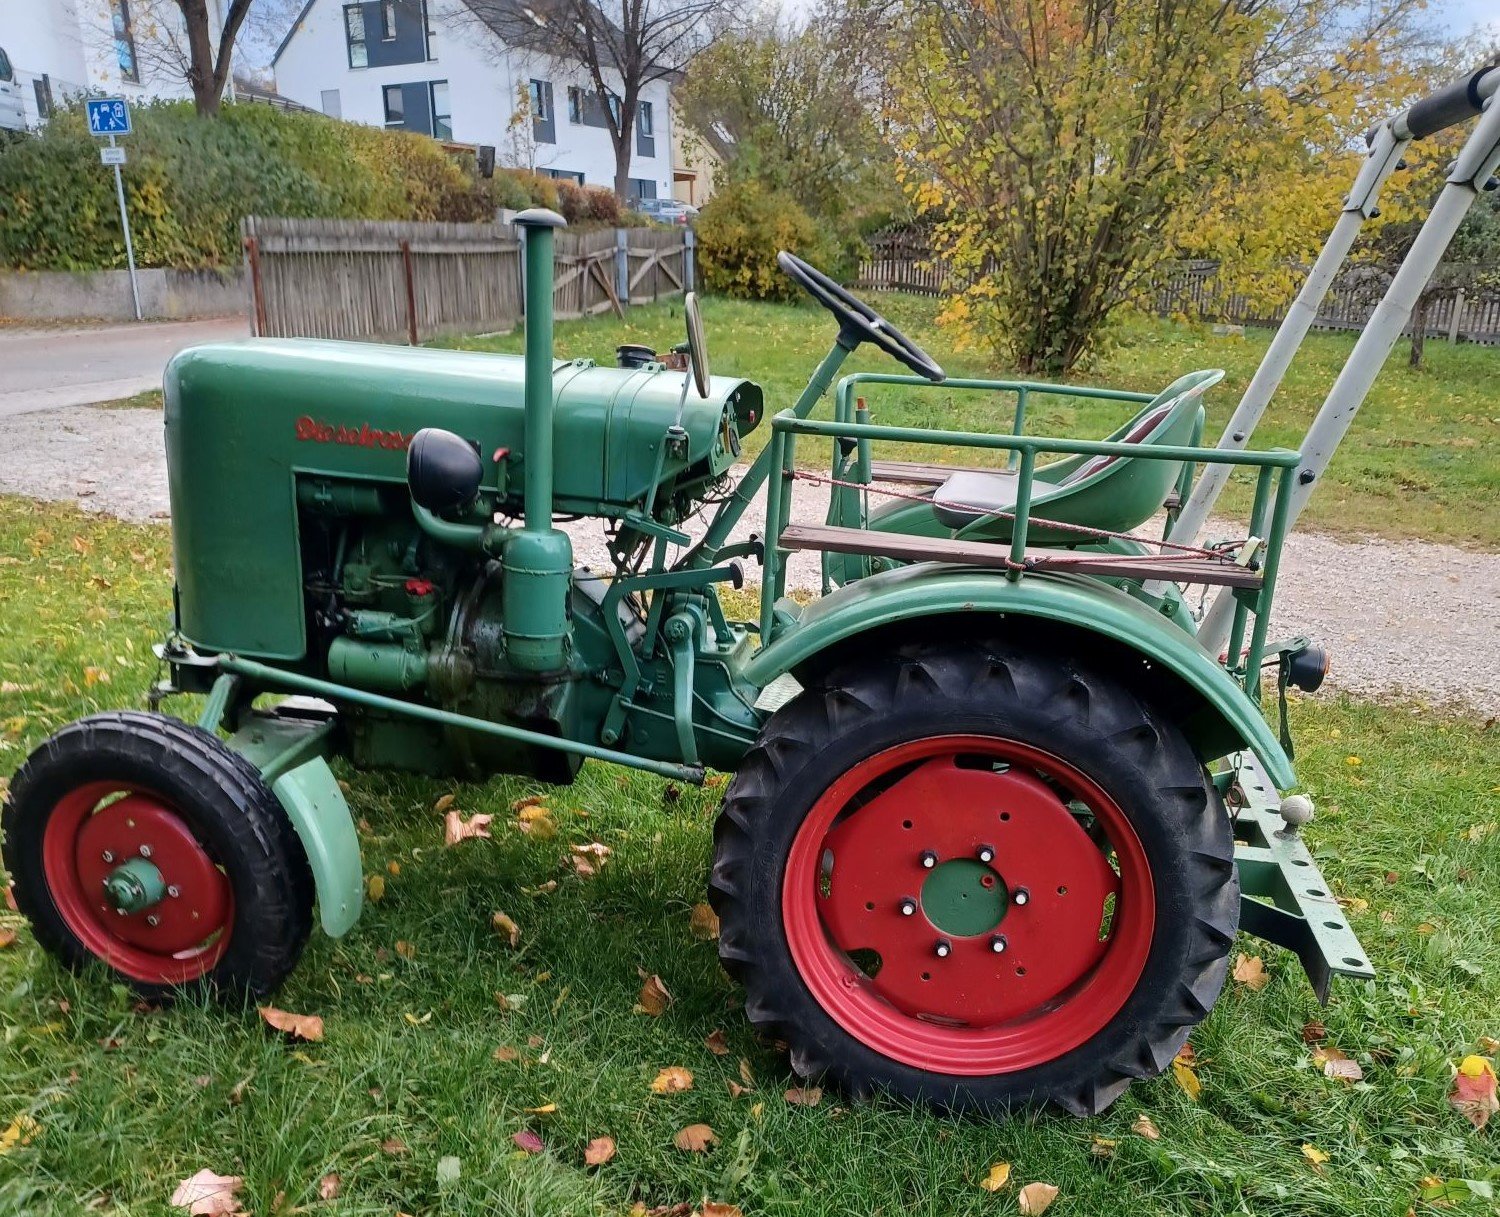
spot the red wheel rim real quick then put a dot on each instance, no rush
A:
(96, 828)
(1075, 929)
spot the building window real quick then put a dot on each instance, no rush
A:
(575, 105)
(42, 86)
(614, 108)
(333, 106)
(395, 106)
(563, 175)
(124, 40)
(354, 32)
(644, 124)
(642, 188)
(388, 21)
(6, 73)
(541, 101)
(442, 111)
(428, 32)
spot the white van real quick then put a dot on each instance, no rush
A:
(12, 112)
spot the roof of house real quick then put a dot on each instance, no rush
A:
(295, 26)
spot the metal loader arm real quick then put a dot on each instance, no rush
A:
(1387, 142)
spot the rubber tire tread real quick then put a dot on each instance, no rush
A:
(228, 805)
(1059, 704)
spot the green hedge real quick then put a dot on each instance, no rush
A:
(740, 231)
(189, 180)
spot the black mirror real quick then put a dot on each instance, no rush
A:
(697, 343)
(443, 471)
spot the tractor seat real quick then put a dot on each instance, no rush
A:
(1111, 492)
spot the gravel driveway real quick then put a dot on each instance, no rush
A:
(1409, 618)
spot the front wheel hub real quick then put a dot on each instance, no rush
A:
(134, 885)
(1033, 918)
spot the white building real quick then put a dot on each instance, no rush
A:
(435, 67)
(122, 48)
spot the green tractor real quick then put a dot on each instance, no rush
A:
(1001, 799)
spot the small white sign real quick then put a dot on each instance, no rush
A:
(111, 156)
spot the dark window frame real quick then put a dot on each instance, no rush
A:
(388, 21)
(645, 123)
(42, 87)
(432, 107)
(541, 100)
(400, 110)
(351, 11)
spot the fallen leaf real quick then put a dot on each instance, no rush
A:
(1102, 1147)
(714, 1041)
(393, 867)
(505, 1054)
(1473, 1093)
(456, 828)
(299, 1026)
(1313, 1154)
(599, 1151)
(1488, 1044)
(449, 1171)
(745, 1075)
(1186, 1077)
(531, 800)
(7, 938)
(695, 1139)
(1343, 1069)
(588, 860)
(703, 922)
(711, 1208)
(95, 676)
(654, 998)
(1313, 1030)
(208, 1195)
(1034, 1199)
(1250, 971)
(527, 1141)
(329, 1186)
(535, 822)
(735, 1089)
(672, 1079)
(506, 926)
(406, 950)
(394, 1146)
(444, 802)
(804, 1096)
(546, 1109)
(997, 1177)
(375, 888)
(19, 1131)
(1145, 1126)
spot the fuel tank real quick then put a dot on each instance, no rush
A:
(246, 421)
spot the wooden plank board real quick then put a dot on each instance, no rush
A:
(906, 548)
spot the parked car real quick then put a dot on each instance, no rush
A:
(666, 211)
(12, 112)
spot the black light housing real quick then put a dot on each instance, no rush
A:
(1307, 667)
(443, 471)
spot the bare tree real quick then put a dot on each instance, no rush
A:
(178, 39)
(622, 47)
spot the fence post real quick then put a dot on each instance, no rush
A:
(689, 260)
(622, 266)
(257, 291)
(411, 293)
(1456, 320)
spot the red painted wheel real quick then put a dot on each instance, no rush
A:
(973, 878)
(92, 833)
(976, 874)
(148, 845)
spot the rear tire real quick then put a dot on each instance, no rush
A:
(1029, 1002)
(230, 903)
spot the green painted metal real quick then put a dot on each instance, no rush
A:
(268, 677)
(216, 704)
(1226, 720)
(388, 666)
(956, 899)
(248, 423)
(289, 752)
(134, 885)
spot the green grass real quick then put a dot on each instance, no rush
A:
(130, 1102)
(149, 400)
(1421, 460)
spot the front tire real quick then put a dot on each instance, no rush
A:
(149, 845)
(976, 877)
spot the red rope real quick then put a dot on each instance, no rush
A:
(1219, 555)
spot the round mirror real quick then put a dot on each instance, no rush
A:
(697, 346)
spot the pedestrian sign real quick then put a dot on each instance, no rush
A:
(108, 116)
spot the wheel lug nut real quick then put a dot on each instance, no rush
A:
(997, 944)
(908, 906)
(943, 949)
(145, 851)
(986, 854)
(153, 920)
(174, 891)
(1021, 896)
(107, 856)
(928, 859)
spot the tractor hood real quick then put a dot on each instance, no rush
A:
(246, 421)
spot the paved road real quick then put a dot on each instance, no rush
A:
(44, 369)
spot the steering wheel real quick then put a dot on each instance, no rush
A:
(857, 320)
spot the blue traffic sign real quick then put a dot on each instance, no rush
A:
(108, 116)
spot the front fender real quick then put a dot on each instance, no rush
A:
(1226, 720)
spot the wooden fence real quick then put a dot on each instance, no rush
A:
(403, 281)
(901, 260)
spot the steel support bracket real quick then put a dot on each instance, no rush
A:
(1284, 899)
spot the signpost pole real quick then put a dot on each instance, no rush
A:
(135, 291)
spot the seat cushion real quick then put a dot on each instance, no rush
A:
(969, 495)
(1144, 426)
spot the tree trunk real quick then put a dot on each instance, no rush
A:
(202, 77)
(1419, 329)
(622, 153)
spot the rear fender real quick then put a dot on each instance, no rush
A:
(1072, 611)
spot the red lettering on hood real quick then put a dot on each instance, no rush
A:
(313, 430)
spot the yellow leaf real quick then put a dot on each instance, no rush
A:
(546, 1109)
(1034, 1199)
(1145, 1126)
(19, 1131)
(1250, 971)
(998, 1177)
(1313, 1154)
(95, 676)
(703, 922)
(375, 888)
(672, 1079)
(445, 802)
(406, 950)
(506, 926)
(1187, 1079)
